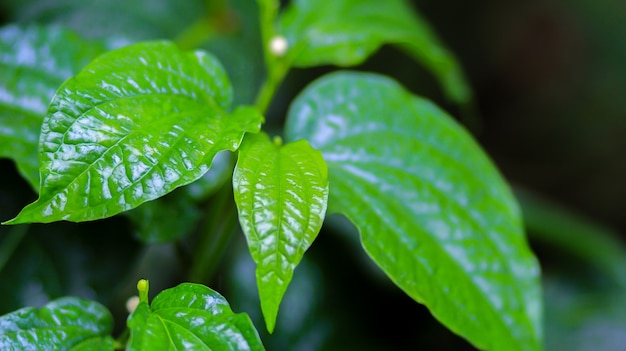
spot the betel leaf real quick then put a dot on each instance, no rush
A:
(176, 214)
(136, 20)
(133, 125)
(34, 62)
(432, 210)
(346, 32)
(190, 317)
(69, 323)
(281, 193)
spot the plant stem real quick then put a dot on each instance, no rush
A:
(218, 20)
(120, 342)
(276, 65)
(12, 241)
(268, 89)
(215, 235)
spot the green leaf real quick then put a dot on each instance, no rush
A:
(432, 210)
(34, 62)
(281, 194)
(346, 32)
(135, 124)
(176, 214)
(191, 317)
(136, 20)
(69, 323)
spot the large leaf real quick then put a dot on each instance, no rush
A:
(68, 323)
(137, 20)
(34, 62)
(135, 124)
(281, 194)
(346, 32)
(432, 210)
(190, 317)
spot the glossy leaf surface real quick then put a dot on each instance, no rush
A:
(281, 193)
(135, 124)
(181, 206)
(34, 62)
(190, 317)
(65, 324)
(432, 210)
(346, 32)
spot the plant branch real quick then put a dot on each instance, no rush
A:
(277, 58)
(215, 235)
(11, 243)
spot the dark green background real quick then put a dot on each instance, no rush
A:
(550, 98)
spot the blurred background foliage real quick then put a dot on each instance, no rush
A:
(550, 101)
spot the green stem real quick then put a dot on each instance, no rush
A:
(11, 243)
(196, 34)
(268, 89)
(122, 340)
(276, 65)
(215, 235)
(219, 20)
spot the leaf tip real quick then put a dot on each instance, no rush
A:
(269, 308)
(16, 220)
(270, 323)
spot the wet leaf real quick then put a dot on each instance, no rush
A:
(432, 210)
(346, 32)
(190, 317)
(135, 124)
(69, 323)
(176, 214)
(34, 61)
(281, 194)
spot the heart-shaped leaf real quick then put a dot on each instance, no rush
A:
(34, 62)
(432, 210)
(135, 124)
(281, 194)
(68, 323)
(346, 32)
(189, 317)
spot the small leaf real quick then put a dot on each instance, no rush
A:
(135, 124)
(281, 194)
(68, 323)
(432, 210)
(346, 32)
(34, 62)
(190, 317)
